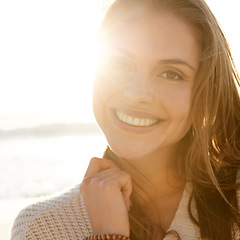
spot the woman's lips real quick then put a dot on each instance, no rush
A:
(136, 121)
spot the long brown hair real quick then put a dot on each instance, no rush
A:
(211, 149)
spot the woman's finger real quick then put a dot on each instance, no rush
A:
(112, 178)
(97, 165)
(106, 194)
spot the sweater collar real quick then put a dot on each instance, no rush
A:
(182, 223)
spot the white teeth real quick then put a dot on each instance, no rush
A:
(124, 117)
(143, 122)
(129, 120)
(136, 121)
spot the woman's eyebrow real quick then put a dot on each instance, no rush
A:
(123, 51)
(162, 61)
(176, 61)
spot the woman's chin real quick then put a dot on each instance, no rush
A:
(128, 153)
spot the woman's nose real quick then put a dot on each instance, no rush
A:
(138, 91)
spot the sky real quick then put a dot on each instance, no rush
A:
(47, 57)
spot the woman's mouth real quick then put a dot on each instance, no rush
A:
(135, 121)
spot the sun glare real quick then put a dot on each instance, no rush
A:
(47, 56)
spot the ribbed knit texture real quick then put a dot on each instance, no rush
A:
(60, 217)
(65, 217)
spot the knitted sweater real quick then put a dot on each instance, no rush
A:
(58, 217)
(65, 217)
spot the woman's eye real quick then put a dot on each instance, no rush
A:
(172, 75)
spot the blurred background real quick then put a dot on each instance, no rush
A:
(47, 129)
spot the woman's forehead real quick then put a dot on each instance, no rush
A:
(157, 33)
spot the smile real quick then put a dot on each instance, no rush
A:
(135, 121)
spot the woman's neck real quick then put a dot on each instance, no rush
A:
(157, 184)
(159, 168)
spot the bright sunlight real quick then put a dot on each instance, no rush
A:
(47, 58)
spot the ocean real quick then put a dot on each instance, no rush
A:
(32, 166)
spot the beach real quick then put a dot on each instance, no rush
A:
(33, 166)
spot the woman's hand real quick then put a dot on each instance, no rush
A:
(106, 190)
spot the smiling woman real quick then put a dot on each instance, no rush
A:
(148, 82)
(166, 98)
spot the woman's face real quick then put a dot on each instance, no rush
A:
(143, 88)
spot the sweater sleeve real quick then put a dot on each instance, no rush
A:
(61, 217)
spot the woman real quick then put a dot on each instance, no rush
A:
(167, 100)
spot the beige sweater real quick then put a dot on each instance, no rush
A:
(59, 217)
(65, 217)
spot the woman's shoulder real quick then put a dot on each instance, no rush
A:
(62, 216)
